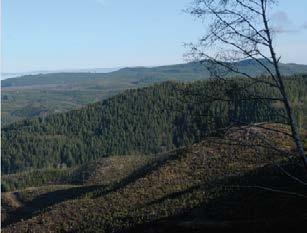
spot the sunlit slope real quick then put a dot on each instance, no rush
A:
(102, 171)
(181, 188)
(34, 190)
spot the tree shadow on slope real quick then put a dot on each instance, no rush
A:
(142, 171)
(264, 200)
(43, 201)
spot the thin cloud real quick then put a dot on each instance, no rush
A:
(101, 2)
(282, 24)
(281, 17)
(304, 26)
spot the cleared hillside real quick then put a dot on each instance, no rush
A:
(216, 185)
(36, 189)
(103, 171)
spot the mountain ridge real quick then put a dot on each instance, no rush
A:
(286, 69)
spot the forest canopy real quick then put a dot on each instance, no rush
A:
(143, 121)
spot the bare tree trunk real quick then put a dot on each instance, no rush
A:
(291, 119)
(242, 26)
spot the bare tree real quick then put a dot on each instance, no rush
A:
(237, 30)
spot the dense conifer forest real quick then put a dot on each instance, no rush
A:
(44, 94)
(147, 120)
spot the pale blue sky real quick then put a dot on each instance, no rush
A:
(68, 34)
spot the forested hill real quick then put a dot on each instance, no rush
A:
(44, 94)
(147, 120)
(137, 75)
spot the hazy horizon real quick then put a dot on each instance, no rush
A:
(6, 75)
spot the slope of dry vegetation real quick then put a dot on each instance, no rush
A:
(216, 184)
